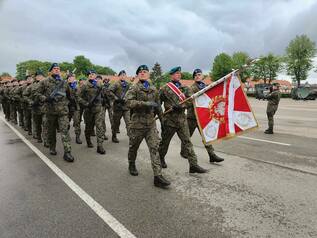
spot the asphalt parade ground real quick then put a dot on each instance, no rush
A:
(266, 187)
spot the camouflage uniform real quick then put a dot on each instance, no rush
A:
(142, 124)
(37, 113)
(6, 98)
(93, 114)
(20, 106)
(74, 109)
(192, 123)
(175, 122)
(107, 103)
(120, 108)
(27, 93)
(272, 105)
(57, 111)
(13, 104)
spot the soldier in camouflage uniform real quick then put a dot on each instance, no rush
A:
(191, 118)
(91, 99)
(175, 121)
(273, 100)
(19, 92)
(27, 94)
(107, 102)
(14, 101)
(143, 101)
(74, 109)
(52, 91)
(1, 93)
(6, 98)
(120, 109)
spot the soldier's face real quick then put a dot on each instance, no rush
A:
(71, 79)
(92, 76)
(144, 75)
(199, 77)
(39, 77)
(176, 76)
(122, 76)
(56, 71)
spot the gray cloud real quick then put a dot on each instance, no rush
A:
(124, 34)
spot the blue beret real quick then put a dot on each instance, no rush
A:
(122, 72)
(197, 71)
(175, 69)
(142, 67)
(52, 66)
(91, 71)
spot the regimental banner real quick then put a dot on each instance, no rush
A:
(223, 111)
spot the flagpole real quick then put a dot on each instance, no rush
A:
(212, 85)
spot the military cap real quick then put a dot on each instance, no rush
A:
(175, 69)
(99, 77)
(53, 66)
(142, 67)
(197, 71)
(82, 78)
(39, 72)
(122, 72)
(91, 71)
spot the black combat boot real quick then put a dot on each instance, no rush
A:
(163, 163)
(53, 151)
(68, 157)
(105, 137)
(183, 155)
(161, 182)
(101, 150)
(114, 138)
(46, 144)
(78, 140)
(132, 169)
(213, 158)
(39, 140)
(268, 131)
(89, 144)
(29, 132)
(197, 169)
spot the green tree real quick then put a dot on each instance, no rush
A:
(66, 66)
(156, 75)
(299, 57)
(187, 76)
(103, 70)
(30, 67)
(240, 59)
(266, 68)
(222, 65)
(82, 64)
(5, 74)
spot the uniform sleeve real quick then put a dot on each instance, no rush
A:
(39, 92)
(82, 97)
(132, 101)
(113, 89)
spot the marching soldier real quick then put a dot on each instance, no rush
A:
(120, 109)
(107, 102)
(14, 101)
(6, 98)
(191, 118)
(91, 99)
(172, 94)
(273, 100)
(52, 91)
(27, 93)
(143, 101)
(74, 109)
(19, 93)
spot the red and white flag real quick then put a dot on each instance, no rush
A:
(222, 109)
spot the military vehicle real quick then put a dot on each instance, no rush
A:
(261, 90)
(304, 93)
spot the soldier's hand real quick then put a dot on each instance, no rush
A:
(151, 104)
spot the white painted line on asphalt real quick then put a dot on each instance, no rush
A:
(268, 141)
(112, 222)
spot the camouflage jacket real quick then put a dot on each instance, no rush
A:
(27, 96)
(37, 105)
(118, 93)
(107, 96)
(87, 93)
(142, 116)
(73, 95)
(273, 100)
(58, 106)
(190, 110)
(169, 98)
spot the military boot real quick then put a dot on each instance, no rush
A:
(213, 158)
(114, 138)
(161, 182)
(163, 163)
(39, 140)
(101, 150)
(29, 132)
(78, 140)
(105, 137)
(53, 151)
(46, 144)
(132, 169)
(89, 143)
(197, 169)
(68, 157)
(268, 131)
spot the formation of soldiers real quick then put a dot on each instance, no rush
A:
(44, 106)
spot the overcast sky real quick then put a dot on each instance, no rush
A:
(123, 34)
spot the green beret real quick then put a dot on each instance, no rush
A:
(142, 67)
(53, 66)
(39, 72)
(175, 69)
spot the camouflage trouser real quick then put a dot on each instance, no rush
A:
(76, 121)
(13, 112)
(152, 140)
(34, 125)
(92, 119)
(21, 116)
(44, 128)
(183, 134)
(110, 115)
(192, 125)
(28, 119)
(37, 123)
(270, 117)
(117, 115)
(62, 121)
(7, 106)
